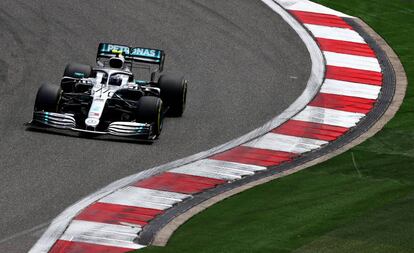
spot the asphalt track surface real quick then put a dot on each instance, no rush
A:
(243, 63)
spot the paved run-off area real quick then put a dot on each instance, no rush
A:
(242, 73)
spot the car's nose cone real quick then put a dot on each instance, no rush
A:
(91, 122)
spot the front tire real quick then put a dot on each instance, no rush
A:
(173, 93)
(149, 111)
(48, 98)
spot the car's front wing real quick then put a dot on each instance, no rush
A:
(67, 122)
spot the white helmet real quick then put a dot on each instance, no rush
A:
(117, 62)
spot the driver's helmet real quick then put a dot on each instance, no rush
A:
(117, 62)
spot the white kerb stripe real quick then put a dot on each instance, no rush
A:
(352, 61)
(286, 143)
(233, 165)
(215, 169)
(335, 33)
(102, 234)
(350, 89)
(329, 116)
(300, 5)
(142, 197)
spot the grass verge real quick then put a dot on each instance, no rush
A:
(360, 201)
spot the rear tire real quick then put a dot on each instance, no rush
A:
(149, 111)
(173, 93)
(77, 70)
(48, 98)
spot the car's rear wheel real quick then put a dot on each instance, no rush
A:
(149, 111)
(173, 93)
(48, 98)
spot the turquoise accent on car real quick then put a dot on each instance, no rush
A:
(140, 82)
(145, 52)
(107, 48)
(79, 74)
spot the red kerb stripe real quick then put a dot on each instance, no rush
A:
(320, 19)
(115, 214)
(310, 130)
(345, 47)
(343, 103)
(62, 246)
(353, 75)
(254, 156)
(176, 182)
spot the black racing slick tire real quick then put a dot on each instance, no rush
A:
(77, 70)
(149, 111)
(173, 93)
(48, 98)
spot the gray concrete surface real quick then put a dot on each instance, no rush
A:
(244, 64)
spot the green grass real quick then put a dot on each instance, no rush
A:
(365, 204)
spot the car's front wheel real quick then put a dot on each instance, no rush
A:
(173, 93)
(48, 98)
(149, 111)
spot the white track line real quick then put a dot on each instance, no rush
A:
(102, 234)
(350, 89)
(286, 143)
(233, 165)
(142, 197)
(335, 33)
(215, 169)
(303, 5)
(352, 61)
(329, 116)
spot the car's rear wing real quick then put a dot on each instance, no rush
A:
(133, 54)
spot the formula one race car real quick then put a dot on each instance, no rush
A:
(107, 99)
